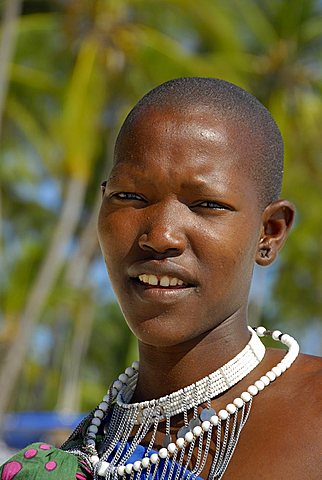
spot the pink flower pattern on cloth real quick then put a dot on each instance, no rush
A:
(42, 461)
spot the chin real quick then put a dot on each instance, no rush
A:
(158, 332)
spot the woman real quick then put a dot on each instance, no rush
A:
(191, 204)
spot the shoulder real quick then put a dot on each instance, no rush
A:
(300, 385)
(285, 424)
(303, 365)
(40, 460)
(304, 417)
(305, 375)
(296, 408)
(310, 363)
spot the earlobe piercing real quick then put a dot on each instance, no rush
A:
(264, 252)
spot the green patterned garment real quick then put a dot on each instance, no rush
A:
(40, 461)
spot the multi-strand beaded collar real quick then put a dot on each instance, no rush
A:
(183, 454)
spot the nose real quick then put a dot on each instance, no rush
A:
(164, 233)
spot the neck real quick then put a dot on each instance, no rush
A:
(164, 370)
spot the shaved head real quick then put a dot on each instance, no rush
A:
(253, 125)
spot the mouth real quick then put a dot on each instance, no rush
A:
(167, 282)
(161, 281)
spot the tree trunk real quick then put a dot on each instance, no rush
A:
(7, 46)
(68, 396)
(47, 275)
(11, 12)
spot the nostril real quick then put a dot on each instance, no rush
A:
(160, 254)
(143, 240)
(162, 244)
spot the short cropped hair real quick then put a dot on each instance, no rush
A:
(229, 102)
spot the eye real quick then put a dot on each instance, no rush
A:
(128, 196)
(213, 205)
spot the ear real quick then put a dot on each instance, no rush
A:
(277, 220)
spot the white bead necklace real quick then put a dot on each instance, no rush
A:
(197, 433)
(211, 385)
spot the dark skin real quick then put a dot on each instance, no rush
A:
(179, 203)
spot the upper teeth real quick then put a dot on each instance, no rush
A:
(164, 281)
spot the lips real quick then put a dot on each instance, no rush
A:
(161, 274)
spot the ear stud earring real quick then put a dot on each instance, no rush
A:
(264, 252)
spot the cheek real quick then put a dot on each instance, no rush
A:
(116, 235)
(227, 253)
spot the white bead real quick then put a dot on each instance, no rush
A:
(205, 426)
(163, 453)
(103, 406)
(188, 437)
(137, 465)
(238, 402)
(154, 457)
(271, 375)
(282, 366)
(94, 459)
(172, 448)
(292, 355)
(136, 365)
(276, 334)
(103, 469)
(90, 434)
(287, 362)
(260, 385)
(92, 428)
(245, 396)
(129, 468)
(260, 331)
(114, 392)
(197, 431)
(90, 441)
(96, 421)
(129, 371)
(121, 470)
(99, 414)
(286, 339)
(214, 420)
(180, 442)
(118, 385)
(145, 462)
(266, 381)
(123, 378)
(277, 371)
(223, 414)
(106, 398)
(231, 408)
(252, 390)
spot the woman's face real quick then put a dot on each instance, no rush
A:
(179, 225)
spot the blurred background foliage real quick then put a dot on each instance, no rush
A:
(70, 70)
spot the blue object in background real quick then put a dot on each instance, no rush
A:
(20, 429)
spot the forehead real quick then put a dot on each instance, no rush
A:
(192, 144)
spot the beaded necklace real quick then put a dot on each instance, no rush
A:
(128, 424)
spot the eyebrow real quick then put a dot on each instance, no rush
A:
(137, 179)
(198, 186)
